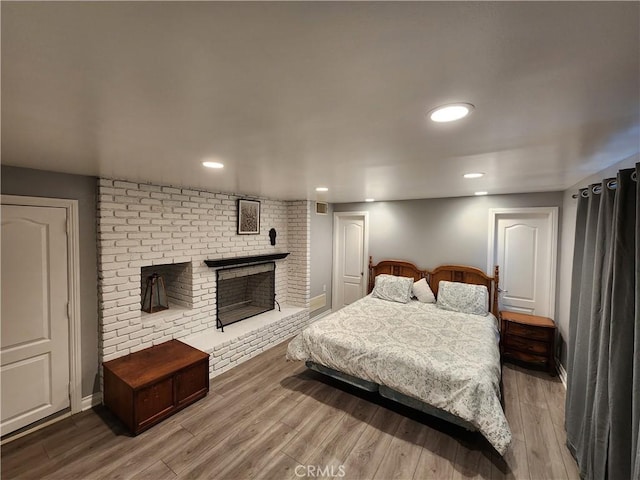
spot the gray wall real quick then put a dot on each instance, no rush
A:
(432, 232)
(438, 231)
(321, 255)
(38, 183)
(568, 230)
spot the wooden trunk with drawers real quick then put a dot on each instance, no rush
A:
(529, 339)
(145, 387)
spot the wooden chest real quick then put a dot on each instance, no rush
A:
(145, 387)
(528, 338)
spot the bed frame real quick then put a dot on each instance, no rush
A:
(453, 273)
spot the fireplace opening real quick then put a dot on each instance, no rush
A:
(244, 292)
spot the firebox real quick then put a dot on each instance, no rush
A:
(243, 292)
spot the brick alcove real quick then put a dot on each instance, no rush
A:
(178, 282)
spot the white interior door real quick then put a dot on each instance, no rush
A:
(350, 265)
(34, 353)
(524, 246)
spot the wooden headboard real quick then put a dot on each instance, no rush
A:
(452, 273)
(463, 274)
(398, 268)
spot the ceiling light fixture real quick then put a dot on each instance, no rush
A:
(322, 189)
(213, 164)
(450, 112)
(473, 175)
(481, 193)
(369, 199)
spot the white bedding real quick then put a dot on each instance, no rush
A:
(446, 359)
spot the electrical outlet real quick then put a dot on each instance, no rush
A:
(324, 288)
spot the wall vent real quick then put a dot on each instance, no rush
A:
(322, 208)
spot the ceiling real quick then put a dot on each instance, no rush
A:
(291, 96)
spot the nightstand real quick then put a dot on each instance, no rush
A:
(528, 338)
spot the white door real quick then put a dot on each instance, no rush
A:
(525, 249)
(34, 353)
(350, 264)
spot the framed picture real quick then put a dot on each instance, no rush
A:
(248, 217)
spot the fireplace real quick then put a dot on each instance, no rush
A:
(244, 292)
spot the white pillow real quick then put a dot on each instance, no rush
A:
(463, 297)
(422, 291)
(392, 288)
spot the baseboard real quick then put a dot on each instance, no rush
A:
(91, 401)
(320, 315)
(316, 303)
(562, 373)
(34, 428)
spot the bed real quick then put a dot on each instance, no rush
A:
(442, 362)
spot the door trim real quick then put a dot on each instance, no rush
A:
(73, 271)
(552, 216)
(365, 252)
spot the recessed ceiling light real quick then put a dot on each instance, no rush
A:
(473, 175)
(369, 199)
(481, 193)
(213, 164)
(322, 189)
(451, 112)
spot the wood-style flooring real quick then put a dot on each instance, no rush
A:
(268, 416)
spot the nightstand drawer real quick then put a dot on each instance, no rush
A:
(528, 331)
(526, 357)
(526, 345)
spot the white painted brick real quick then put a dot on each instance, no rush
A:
(193, 216)
(123, 184)
(137, 193)
(112, 221)
(141, 346)
(129, 329)
(114, 296)
(129, 301)
(109, 350)
(112, 356)
(126, 214)
(128, 315)
(128, 344)
(160, 196)
(139, 208)
(126, 228)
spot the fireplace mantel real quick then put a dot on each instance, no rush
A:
(225, 262)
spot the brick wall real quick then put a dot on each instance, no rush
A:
(299, 262)
(141, 225)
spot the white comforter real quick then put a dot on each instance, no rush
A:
(446, 359)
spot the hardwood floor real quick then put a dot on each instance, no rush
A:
(267, 416)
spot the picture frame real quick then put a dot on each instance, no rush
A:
(248, 217)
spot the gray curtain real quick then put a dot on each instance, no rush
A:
(603, 364)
